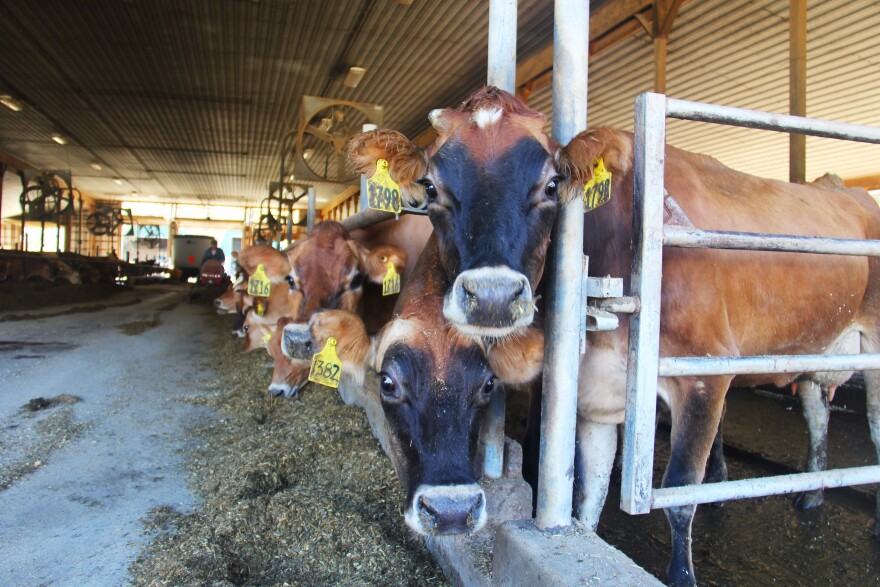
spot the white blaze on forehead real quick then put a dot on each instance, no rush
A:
(487, 116)
(399, 330)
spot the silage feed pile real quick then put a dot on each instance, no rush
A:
(292, 493)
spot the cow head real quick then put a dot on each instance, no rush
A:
(260, 316)
(490, 181)
(289, 373)
(328, 269)
(435, 384)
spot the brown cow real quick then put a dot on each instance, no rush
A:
(434, 386)
(327, 271)
(491, 182)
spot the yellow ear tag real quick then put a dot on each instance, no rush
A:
(391, 281)
(265, 341)
(259, 307)
(258, 283)
(326, 366)
(597, 191)
(383, 192)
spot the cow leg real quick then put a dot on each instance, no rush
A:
(814, 404)
(696, 415)
(594, 459)
(716, 471)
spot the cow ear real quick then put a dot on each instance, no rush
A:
(576, 160)
(518, 359)
(406, 162)
(376, 261)
(352, 341)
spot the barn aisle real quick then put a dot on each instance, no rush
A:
(93, 431)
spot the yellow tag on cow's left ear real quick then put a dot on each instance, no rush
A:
(391, 281)
(383, 192)
(265, 341)
(258, 283)
(597, 191)
(259, 307)
(326, 366)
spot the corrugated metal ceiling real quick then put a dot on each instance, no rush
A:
(189, 99)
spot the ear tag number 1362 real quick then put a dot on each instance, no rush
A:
(383, 192)
(597, 191)
(326, 366)
(391, 281)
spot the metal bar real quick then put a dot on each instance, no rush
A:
(759, 487)
(502, 45)
(700, 366)
(700, 111)
(797, 87)
(310, 218)
(644, 331)
(565, 298)
(677, 236)
(502, 74)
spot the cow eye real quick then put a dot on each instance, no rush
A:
(246, 328)
(290, 282)
(430, 190)
(388, 388)
(552, 187)
(487, 389)
(357, 281)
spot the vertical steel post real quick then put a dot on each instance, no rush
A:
(310, 218)
(565, 301)
(501, 74)
(364, 199)
(644, 330)
(797, 90)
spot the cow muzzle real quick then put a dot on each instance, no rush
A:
(283, 390)
(297, 343)
(489, 301)
(438, 510)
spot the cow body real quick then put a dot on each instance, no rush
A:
(490, 183)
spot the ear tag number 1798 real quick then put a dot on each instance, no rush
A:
(383, 193)
(597, 191)
(391, 281)
(326, 366)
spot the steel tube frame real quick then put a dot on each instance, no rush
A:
(677, 236)
(645, 366)
(501, 74)
(564, 274)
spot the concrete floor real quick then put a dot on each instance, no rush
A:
(80, 477)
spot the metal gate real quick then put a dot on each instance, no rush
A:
(645, 366)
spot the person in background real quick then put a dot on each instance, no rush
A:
(213, 252)
(234, 264)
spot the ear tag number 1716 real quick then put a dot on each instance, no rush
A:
(383, 192)
(391, 281)
(326, 366)
(259, 286)
(597, 191)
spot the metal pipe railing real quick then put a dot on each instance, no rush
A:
(705, 366)
(710, 239)
(645, 366)
(564, 274)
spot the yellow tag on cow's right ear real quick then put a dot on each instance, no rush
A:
(260, 307)
(383, 192)
(391, 281)
(326, 366)
(258, 283)
(597, 191)
(264, 342)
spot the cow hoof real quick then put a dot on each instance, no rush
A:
(809, 500)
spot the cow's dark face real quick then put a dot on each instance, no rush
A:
(492, 213)
(434, 387)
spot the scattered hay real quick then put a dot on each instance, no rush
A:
(28, 438)
(139, 326)
(294, 493)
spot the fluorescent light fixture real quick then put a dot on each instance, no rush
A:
(61, 140)
(307, 153)
(96, 166)
(10, 102)
(117, 181)
(353, 77)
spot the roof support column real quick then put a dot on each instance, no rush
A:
(797, 92)
(665, 12)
